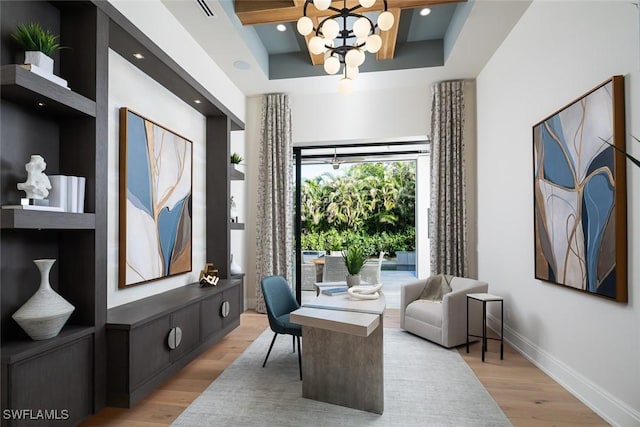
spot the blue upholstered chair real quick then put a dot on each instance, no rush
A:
(279, 301)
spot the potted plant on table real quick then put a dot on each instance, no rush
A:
(236, 159)
(354, 258)
(39, 44)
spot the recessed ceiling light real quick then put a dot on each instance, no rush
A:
(197, 101)
(241, 65)
(41, 104)
(281, 27)
(138, 56)
(425, 11)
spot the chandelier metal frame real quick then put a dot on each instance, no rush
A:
(345, 33)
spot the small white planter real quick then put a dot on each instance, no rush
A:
(39, 59)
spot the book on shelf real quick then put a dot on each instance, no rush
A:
(335, 291)
(67, 192)
(42, 73)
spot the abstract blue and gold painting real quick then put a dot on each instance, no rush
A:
(155, 201)
(580, 194)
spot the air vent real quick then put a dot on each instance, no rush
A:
(205, 8)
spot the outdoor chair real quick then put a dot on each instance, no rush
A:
(280, 302)
(370, 272)
(334, 269)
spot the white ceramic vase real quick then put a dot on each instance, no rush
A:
(46, 312)
(234, 268)
(39, 59)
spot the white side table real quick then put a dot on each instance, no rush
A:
(485, 298)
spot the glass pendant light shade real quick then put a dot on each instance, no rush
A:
(322, 4)
(367, 3)
(331, 65)
(361, 57)
(330, 29)
(374, 43)
(316, 45)
(385, 20)
(361, 27)
(345, 87)
(352, 72)
(352, 59)
(304, 25)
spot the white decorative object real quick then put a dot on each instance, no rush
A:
(37, 185)
(364, 292)
(46, 312)
(58, 193)
(39, 59)
(234, 211)
(234, 268)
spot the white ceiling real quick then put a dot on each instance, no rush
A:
(222, 36)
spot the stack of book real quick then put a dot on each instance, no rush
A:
(67, 192)
(335, 291)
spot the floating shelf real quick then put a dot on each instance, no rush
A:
(46, 220)
(15, 351)
(26, 88)
(236, 175)
(237, 226)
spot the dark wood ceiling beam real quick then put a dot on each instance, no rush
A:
(389, 38)
(252, 12)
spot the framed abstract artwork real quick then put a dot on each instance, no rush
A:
(155, 201)
(580, 195)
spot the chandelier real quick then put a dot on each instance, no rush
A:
(343, 46)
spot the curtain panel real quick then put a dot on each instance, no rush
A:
(275, 195)
(448, 201)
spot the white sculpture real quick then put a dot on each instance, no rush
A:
(365, 292)
(37, 185)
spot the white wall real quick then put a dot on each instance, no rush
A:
(129, 87)
(363, 115)
(558, 51)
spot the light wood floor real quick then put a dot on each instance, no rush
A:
(527, 396)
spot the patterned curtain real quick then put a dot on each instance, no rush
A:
(275, 195)
(448, 202)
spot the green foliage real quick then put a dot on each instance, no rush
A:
(32, 37)
(372, 197)
(354, 259)
(371, 244)
(236, 159)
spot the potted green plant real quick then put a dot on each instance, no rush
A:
(236, 159)
(354, 258)
(39, 44)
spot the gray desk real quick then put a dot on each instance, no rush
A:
(342, 359)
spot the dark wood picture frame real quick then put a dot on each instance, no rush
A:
(155, 212)
(580, 194)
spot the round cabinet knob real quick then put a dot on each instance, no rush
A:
(225, 309)
(175, 338)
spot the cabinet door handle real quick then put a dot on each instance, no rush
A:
(225, 309)
(175, 337)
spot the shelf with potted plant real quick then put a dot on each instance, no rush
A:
(235, 174)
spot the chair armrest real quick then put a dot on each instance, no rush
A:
(409, 293)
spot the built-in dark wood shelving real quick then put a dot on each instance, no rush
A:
(236, 175)
(28, 89)
(15, 351)
(32, 219)
(237, 226)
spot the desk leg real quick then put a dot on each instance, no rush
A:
(344, 369)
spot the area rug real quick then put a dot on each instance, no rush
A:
(424, 385)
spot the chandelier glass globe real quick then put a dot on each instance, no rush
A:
(367, 3)
(322, 4)
(331, 65)
(345, 87)
(385, 20)
(304, 25)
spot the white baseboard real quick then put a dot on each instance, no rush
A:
(603, 403)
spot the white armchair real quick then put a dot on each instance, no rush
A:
(445, 322)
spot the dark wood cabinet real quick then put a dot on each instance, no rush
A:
(140, 340)
(67, 128)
